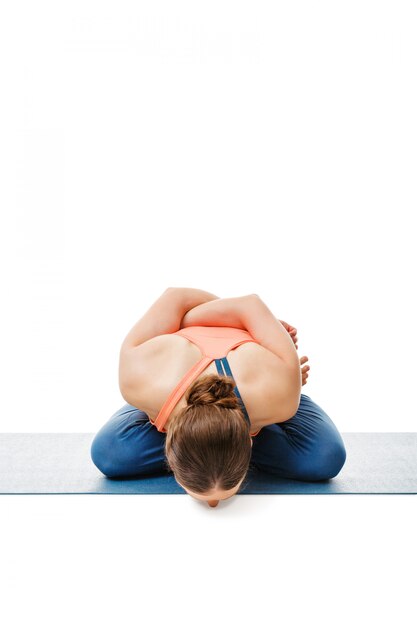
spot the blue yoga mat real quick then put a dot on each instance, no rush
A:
(53, 463)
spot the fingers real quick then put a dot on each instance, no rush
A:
(293, 334)
(304, 370)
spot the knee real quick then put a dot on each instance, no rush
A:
(327, 462)
(101, 455)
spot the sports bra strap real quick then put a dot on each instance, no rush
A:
(179, 390)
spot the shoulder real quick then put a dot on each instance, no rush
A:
(266, 386)
(147, 371)
(140, 359)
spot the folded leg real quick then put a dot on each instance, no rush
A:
(306, 447)
(128, 445)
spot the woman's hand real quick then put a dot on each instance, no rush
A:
(293, 334)
(291, 331)
(304, 370)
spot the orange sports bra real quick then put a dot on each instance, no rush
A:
(215, 342)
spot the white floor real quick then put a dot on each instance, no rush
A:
(167, 559)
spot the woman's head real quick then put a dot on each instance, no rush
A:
(208, 445)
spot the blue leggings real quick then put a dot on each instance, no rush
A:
(306, 447)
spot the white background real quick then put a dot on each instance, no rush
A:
(234, 147)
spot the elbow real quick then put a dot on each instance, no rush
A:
(174, 289)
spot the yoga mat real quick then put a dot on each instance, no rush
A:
(54, 463)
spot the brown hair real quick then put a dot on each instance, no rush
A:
(208, 443)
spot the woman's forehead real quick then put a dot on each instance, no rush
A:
(223, 495)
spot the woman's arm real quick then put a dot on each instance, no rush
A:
(252, 314)
(265, 328)
(192, 298)
(219, 312)
(165, 314)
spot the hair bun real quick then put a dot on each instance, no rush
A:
(213, 389)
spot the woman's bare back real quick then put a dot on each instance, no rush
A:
(259, 375)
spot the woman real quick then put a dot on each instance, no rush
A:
(212, 386)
